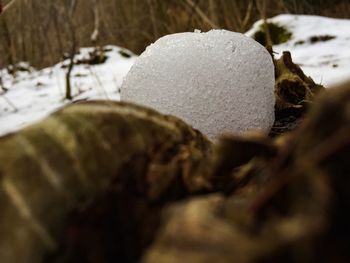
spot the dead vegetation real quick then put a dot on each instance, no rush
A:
(39, 31)
(292, 207)
(107, 182)
(129, 184)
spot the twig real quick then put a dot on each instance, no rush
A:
(247, 16)
(191, 14)
(72, 6)
(15, 109)
(2, 92)
(99, 83)
(96, 31)
(153, 19)
(202, 15)
(6, 7)
(261, 5)
(73, 49)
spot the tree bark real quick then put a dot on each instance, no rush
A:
(60, 165)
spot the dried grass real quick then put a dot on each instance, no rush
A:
(37, 31)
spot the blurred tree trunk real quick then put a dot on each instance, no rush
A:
(80, 154)
(7, 43)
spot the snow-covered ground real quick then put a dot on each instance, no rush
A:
(33, 95)
(327, 62)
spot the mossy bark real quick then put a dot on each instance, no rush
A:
(67, 161)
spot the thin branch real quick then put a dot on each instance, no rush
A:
(191, 14)
(72, 6)
(247, 16)
(9, 102)
(153, 18)
(262, 7)
(6, 7)
(202, 15)
(72, 31)
(96, 32)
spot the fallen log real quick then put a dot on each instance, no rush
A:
(76, 156)
(90, 182)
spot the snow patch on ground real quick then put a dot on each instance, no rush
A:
(327, 62)
(33, 95)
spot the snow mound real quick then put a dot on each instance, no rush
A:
(320, 45)
(219, 81)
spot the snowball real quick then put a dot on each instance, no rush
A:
(219, 81)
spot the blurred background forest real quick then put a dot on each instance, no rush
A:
(42, 31)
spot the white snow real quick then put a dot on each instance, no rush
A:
(327, 62)
(219, 81)
(38, 93)
(35, 94)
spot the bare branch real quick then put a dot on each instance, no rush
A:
(248, 15)
(202, 15)
(73, 4)
(72, 52)
(6, 7)
(96, 32)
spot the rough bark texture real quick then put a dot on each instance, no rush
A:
(76, 156)
(91, 182)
